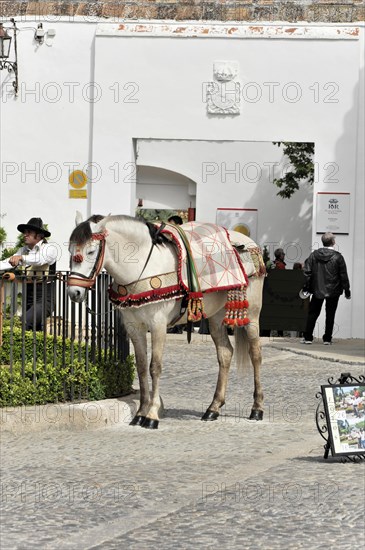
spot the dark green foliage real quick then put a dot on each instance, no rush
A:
(118, 379)
(300, 156)
(8, 252)
(3, 235)
(265, 255)
(65, 375)
(159, 215)
(48, 384)
(153, 215)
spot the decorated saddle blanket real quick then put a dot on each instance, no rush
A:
(207, 260)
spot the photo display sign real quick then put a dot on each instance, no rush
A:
(345, 414)
(333, 213)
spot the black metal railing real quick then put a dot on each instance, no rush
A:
(54, 330)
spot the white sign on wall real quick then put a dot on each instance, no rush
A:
(333, 213)
(243, 220)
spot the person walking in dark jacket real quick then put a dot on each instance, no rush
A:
(325, 277)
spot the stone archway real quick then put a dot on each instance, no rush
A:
(162, 189)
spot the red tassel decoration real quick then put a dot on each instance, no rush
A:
(196, 309)
(236, 308)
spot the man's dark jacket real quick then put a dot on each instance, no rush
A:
(325, 274)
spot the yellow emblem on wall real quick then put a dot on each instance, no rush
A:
(242, 228)
(77, 180)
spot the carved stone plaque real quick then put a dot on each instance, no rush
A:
(223, 94)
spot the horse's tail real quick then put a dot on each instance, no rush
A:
(241, 350)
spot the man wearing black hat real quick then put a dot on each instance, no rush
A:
(35, 258)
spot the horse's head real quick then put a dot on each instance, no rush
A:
(87, 248)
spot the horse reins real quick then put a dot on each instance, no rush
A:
(154, 242)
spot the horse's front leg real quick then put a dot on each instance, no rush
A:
(139, 340)
(224, 354)
(158, 339)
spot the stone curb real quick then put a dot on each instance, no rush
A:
(344, 359)
(348, 351)
(90, 415)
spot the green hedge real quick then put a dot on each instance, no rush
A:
(58, 380)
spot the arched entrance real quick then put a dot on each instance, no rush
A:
(164, 192)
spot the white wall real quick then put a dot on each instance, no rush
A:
(240, 175)
(149, 87)
(164, 189)
(46, 129)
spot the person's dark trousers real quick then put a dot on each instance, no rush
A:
(331, 306)
(33, 317)
(34, 312)
(315, 307)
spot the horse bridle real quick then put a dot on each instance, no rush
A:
(79, 279)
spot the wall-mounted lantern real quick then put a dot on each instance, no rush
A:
(5, 45)
(39, 34)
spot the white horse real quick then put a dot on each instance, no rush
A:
(127, 249)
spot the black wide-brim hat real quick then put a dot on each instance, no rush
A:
(34, 224)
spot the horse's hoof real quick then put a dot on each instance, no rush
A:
(256, 415)
(150, 424)
(210, 416)
(137, 420)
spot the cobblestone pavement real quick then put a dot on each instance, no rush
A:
(232, 483)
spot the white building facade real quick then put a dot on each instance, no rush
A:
(185, 114)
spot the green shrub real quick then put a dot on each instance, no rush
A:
(64, 377)
(54, 350)
(117, 379)
(3, 235)
(48, 384)
(7, 252)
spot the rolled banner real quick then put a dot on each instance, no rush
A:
(304, 294)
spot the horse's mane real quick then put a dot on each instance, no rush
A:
(156, 237)
(82, 233)
(95, 218)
